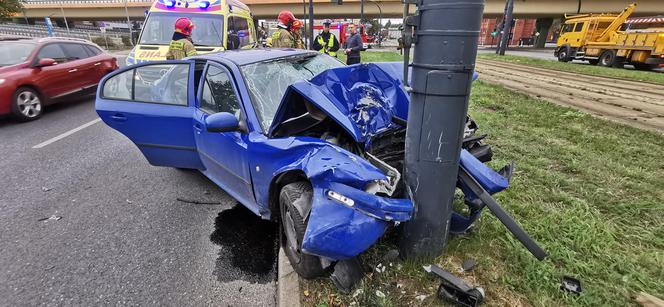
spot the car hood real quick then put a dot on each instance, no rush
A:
(10, 68)
(362, 99)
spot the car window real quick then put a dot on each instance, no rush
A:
(52, 51)
(75, 51)
(238, 32)
(159, 83)
(218, 94)
(578, 27)
(92, 50)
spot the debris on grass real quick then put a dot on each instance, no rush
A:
(468, 265)
(570, 284)
(380, 294)
(306, 292)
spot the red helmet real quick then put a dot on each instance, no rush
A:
(297, 25)
(184, 25)
(286, 17)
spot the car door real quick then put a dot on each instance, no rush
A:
(57, 80)
(224, 154)
(152, 104)
(85, 70)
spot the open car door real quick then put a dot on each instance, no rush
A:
(152, 104)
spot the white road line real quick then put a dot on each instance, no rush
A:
(66, 134)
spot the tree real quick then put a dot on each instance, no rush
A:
(10, 7)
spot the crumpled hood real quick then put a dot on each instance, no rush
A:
(360, 98)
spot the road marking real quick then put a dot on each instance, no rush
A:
(66, 134)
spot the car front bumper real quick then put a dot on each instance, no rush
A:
(345, 221)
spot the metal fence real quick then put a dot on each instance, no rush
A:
(42, 31)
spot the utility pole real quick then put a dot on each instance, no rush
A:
(311, 24)
(507, 27)
(446, 37)
(65, 18)
(361, 12)
(131, 36)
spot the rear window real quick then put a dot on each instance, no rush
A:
(92, 50)
(75, 51)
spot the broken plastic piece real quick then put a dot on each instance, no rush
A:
(455, 290)
(469, 264)
(50, 218)
(347, 273)
(571, 284)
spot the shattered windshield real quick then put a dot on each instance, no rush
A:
(268, 81)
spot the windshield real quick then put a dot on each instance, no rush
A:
(14, 53)
(158, 29)
(268, 81)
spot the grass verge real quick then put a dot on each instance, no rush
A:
(588, 190)
(581, 68)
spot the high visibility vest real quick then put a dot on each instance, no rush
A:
(330, 44)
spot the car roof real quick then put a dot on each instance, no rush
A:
(249, 56)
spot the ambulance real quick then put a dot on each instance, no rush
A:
(219, 25)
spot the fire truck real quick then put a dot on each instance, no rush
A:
(613, 40)
(340, 30)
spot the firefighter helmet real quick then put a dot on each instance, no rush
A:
(286, 17)
(184, 25)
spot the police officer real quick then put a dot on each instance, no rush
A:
(181, 45)
(283, 38)
(327, 42)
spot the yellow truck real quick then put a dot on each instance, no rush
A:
(612, 40)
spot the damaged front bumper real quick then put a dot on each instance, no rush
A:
(345, 221)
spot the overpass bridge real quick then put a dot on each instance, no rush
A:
(268, 9)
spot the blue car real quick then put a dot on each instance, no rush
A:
(293, 135)
(290, 134)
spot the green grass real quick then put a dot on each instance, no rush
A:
(374, 56)
(636, 75)
(590, 191)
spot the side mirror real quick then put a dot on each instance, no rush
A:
(222, 122)
(46, 62)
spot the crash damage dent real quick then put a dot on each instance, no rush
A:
(346, 217)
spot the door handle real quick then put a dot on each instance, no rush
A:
(118, 117)
(97, 64)
(73, 70)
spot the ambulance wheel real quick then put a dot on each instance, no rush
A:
(293, 196)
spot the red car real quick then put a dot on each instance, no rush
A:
(37, 72)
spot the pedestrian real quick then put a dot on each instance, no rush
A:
(353, 46)
(326, 42)
(296, 31)
(181, 45)
(283, 38)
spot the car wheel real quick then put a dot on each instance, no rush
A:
(608, 58)
(27, 104)
(294, 225)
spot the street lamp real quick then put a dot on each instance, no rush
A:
(65, 18)
(380, 19)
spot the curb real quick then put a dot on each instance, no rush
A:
(288, 283)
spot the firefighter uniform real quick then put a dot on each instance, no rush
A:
(179, 49)
(282, 38)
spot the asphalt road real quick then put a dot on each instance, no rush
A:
(123, 238)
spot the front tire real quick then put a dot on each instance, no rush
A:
(27, 104)
(564, 54)
(293, 195)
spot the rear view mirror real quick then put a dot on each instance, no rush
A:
(222, 122)
(46, 62)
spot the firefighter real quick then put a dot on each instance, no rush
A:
(297, 35)
(283, 38)
(181, 45)
(326, 42)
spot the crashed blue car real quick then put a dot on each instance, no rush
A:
(293, 135)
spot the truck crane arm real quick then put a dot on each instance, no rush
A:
(617, 23)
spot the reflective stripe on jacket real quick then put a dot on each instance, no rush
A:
(179, 49)
(330, 45)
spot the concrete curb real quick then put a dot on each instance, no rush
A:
(288, 283)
